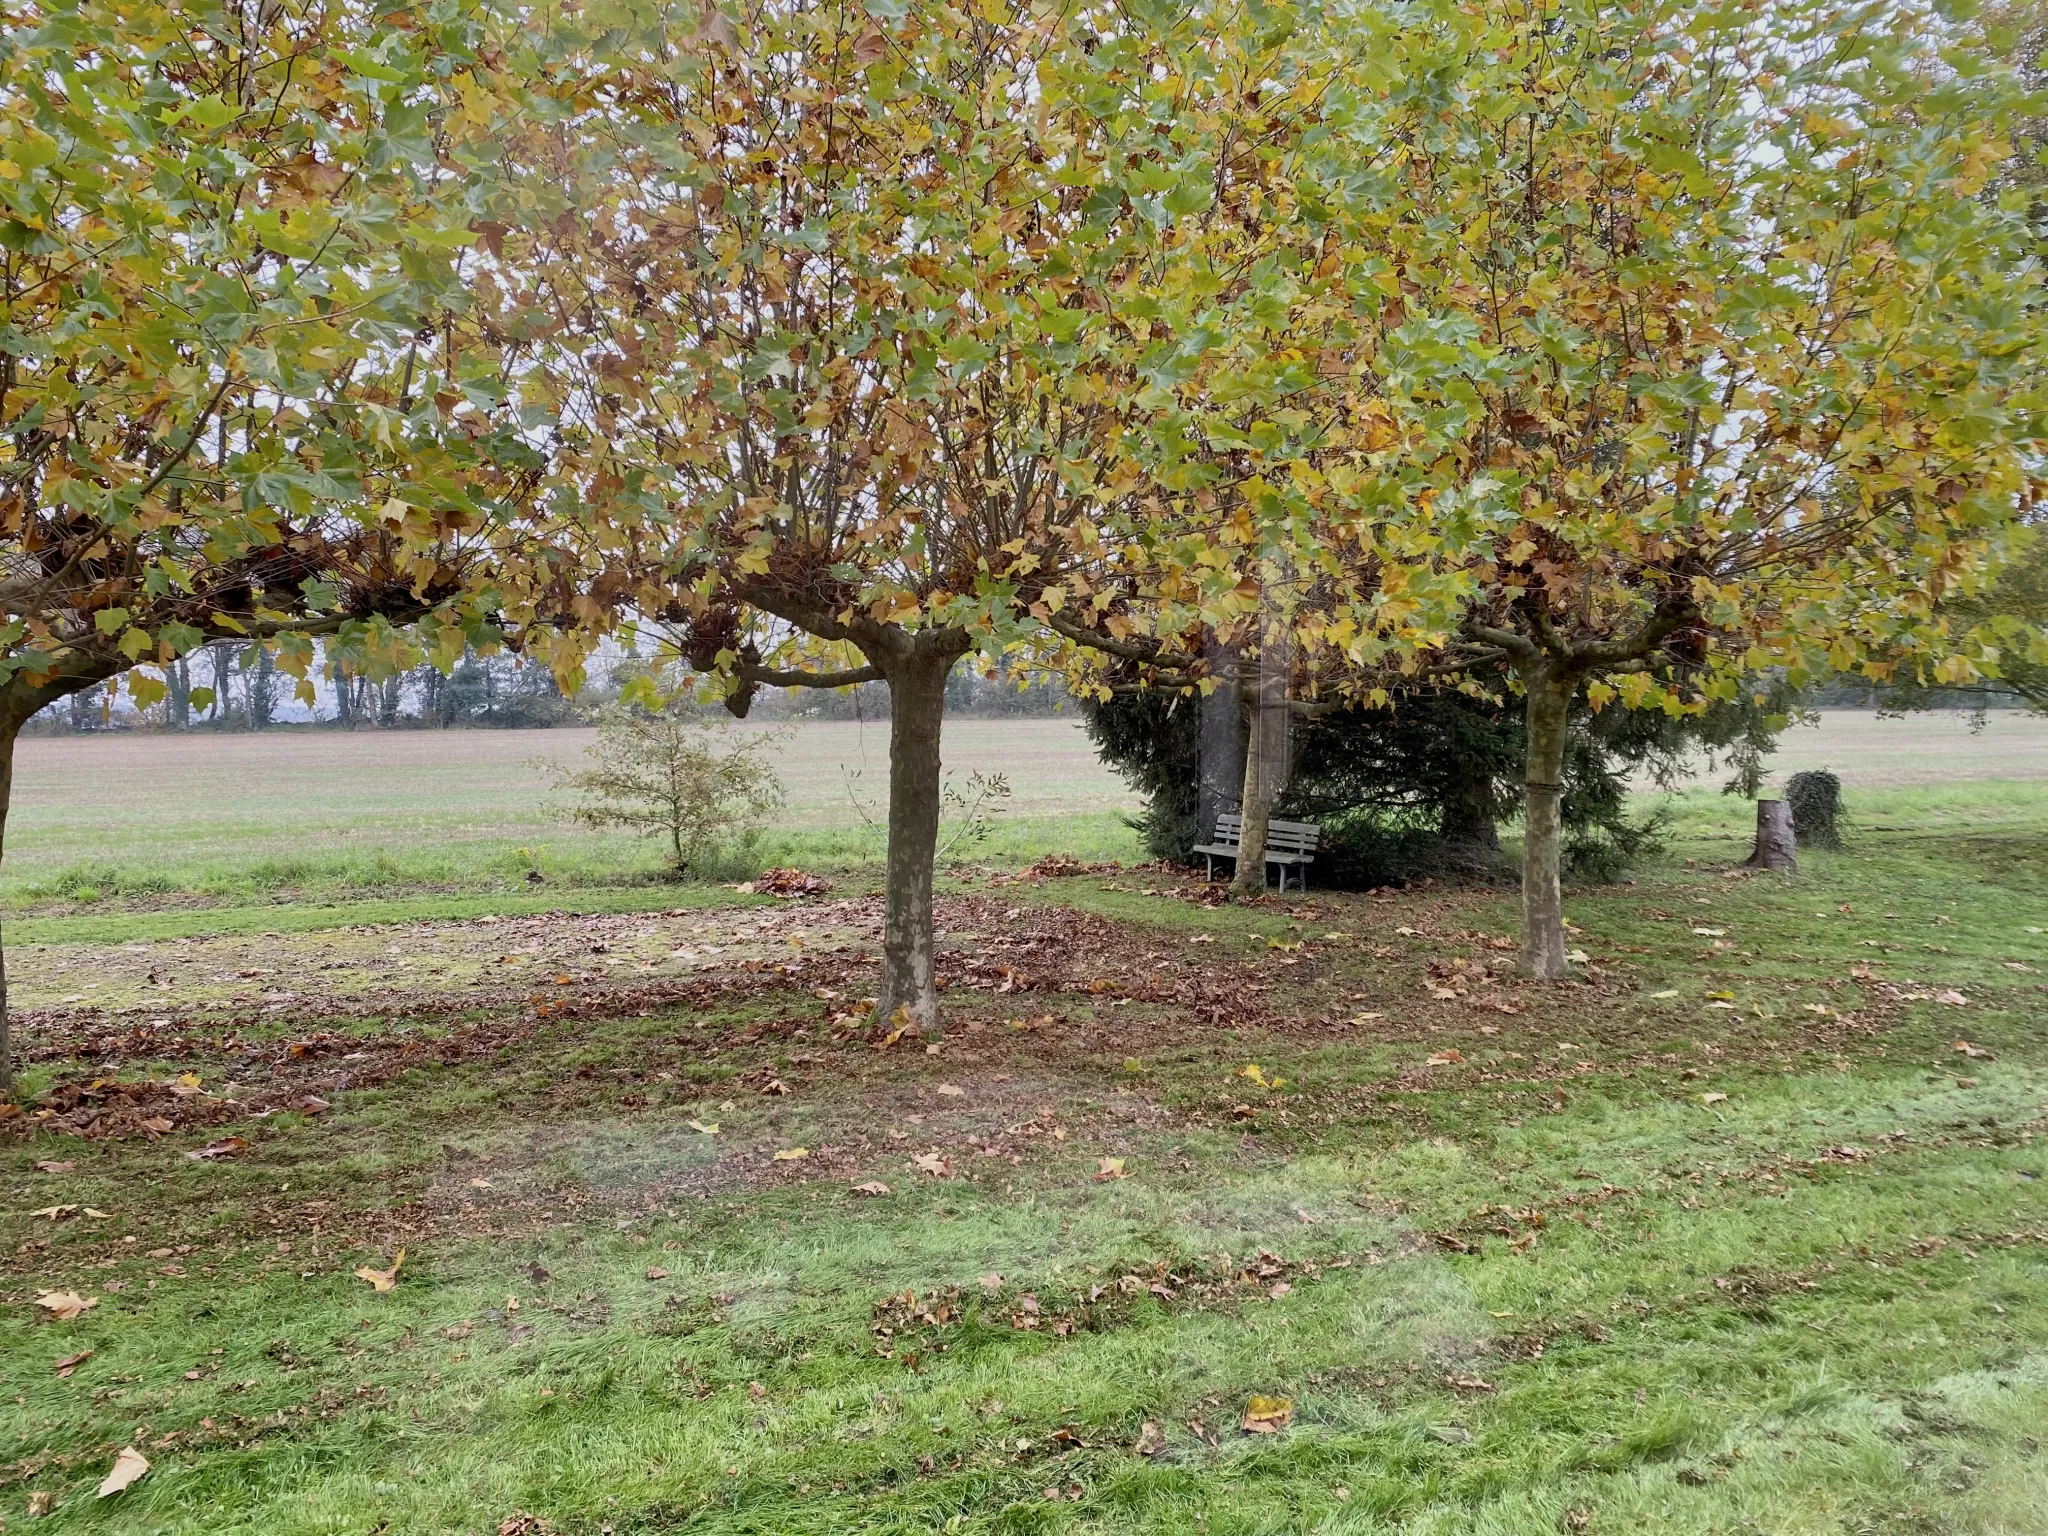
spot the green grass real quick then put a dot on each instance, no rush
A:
(1631, 1263)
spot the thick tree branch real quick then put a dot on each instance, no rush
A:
(771, 677)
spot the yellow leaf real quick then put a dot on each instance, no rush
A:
(382, 1280)
(792, 1154)
(1268, 1415)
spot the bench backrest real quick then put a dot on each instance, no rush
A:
(1281, 836)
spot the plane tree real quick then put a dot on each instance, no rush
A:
(877, 317)
(1688, 343)
(239, 398)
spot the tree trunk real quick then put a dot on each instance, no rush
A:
(1466, 828)
(1222, 744)
(178, 678)
(917, 707)
(1257, 810)
(1774, 837)
(10, 729)
(1542, 841)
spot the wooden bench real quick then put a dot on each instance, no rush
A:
(1289, 845)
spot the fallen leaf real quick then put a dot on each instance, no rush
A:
(1267, 1415)
(227, 1146)
(1712, 1098)
(931, 1163)
(1667, 992)
(1578, 957)
(382, 1280)
(65, 1305)
(1366, 1018)
(1711, 933)
(1974, 1052)
(952, 1091)
(70, 1363)
(1151, 1439)
(656, 1272)
(129, 1466)
(54, 1212)
(50, 1165)
(704, 1128)
(1109, 1168)
(41, 1503)
(1953, 998)
(1446, 1058)
(1408, 933)
(873, 1188)
(792, 1154)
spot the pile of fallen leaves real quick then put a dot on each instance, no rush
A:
(114, 1109)
(787, 883)
(908, 1325)
(1063, 866)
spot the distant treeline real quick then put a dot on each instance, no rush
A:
(249, 693)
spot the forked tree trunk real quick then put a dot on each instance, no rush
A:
(1549, 700)
(917, 704)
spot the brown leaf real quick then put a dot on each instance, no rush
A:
(50, 1165)
(656, 1272)
(70, 1363)
(382, 1280)
(227, 1146)
(1109, 1168)
(1267, 1415)
(1974, 1052)
(932, 1163)
(869, 46)
(874, 1188)
(1151, 1439)
(41, 1503)
(66, 1305)
(1446, 1058)
(128, 1467)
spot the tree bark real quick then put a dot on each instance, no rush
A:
(1775, 841)
(1222, 743)
(1549, 699)
(1257, 810)
(917, 706)
(1466, 827)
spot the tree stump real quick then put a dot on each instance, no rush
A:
(1774, 839)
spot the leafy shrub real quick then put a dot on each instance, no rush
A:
(706, 789)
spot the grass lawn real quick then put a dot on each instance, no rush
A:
(1303, 1216)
